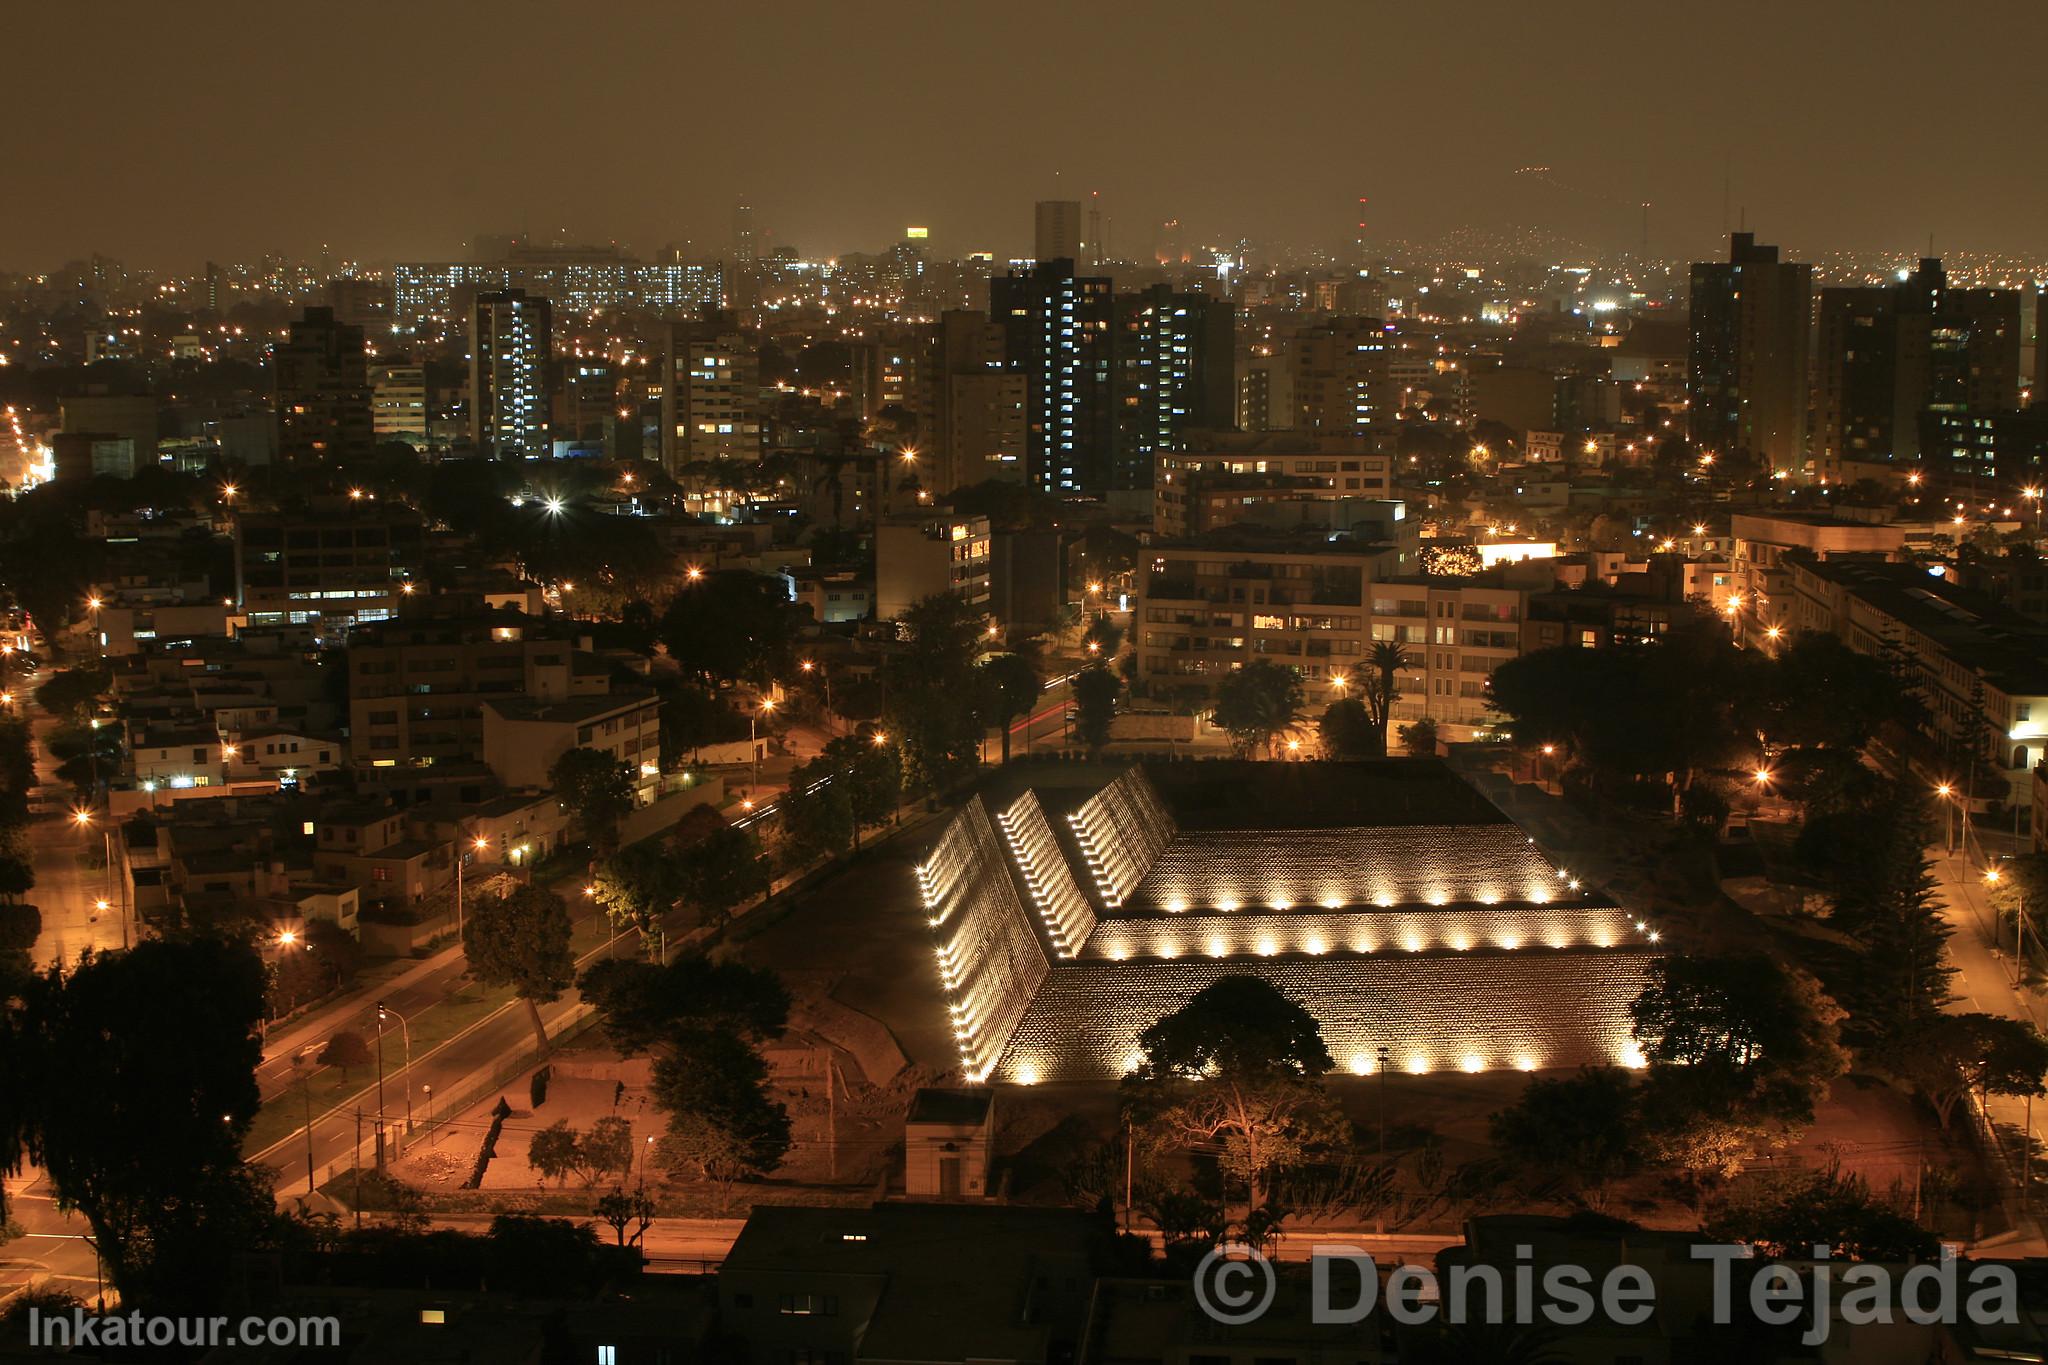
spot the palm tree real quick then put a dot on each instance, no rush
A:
(1383, 684)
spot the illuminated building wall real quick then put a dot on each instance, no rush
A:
(1121, 830)
(990, 960)
(1458, 929)
(1433, 1012)
(1456, 947)
(1066, 913)
(1376, 865)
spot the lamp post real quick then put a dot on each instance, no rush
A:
(405, 1032)
(767, 707)
(380, 1095)
(1947, 792)
(432, 1136)
(480, 843)
(1380, 1206)
(1992, 877)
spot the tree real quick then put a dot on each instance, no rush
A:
(345, 1051)
(1239, 1064)
(129, 1078)
(696, 1146)
(719, 1081)
(1897, 977)
(1348, 731)
(1419, 739)
(1789, 1214)
(1766, 1034)
(644, 1005)
(872, 774)
(555, 1151)
(607, 1149)
(1095, 693)
(1581, 1131)
(597, 789)
(1257, 702)
(731, 625)
(933, 702)
(722, 870)
(1648, 712)
(619, 1211)
(1381, 684)
(1825, 694)
(1010, 687)
(636, 886)
(522, 941)
(74, 693)
(1947, 1056)
(817, 814)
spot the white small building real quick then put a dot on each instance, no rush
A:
(946, 1140)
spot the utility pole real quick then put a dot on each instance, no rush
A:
(1129, 1142)
(831, 1122)
(355, 1161)
(306, 1094)
(380, 1090)
(1380, 1208)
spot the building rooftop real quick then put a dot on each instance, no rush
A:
(571, 710)
(1969, 627)
(953, 1107)
(960, 1281)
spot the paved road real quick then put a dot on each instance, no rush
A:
(1984, 976)
(54, 1251)
(65, 890)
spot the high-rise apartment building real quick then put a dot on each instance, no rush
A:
(1343, 379)
(1886, 354)
(1058, 234)
(322, 391)
(1175, 369)
(436, 294)
(510, 340)
(711, 394)
(1746, 365)
(398, 404)
(1057, 332)
(979, 427)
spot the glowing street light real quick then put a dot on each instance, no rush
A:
(693, 573)
(287, 937)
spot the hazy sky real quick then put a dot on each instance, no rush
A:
(167, 133)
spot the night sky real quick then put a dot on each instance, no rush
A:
(167, 134)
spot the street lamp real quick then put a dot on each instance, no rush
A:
(1947, 793)
(405, 1031)
(480, 843)
(767, 708)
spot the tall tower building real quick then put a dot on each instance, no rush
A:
(510, 341)
(1175, 369)
(323, 391)
(710, 395)
(1886, 354)
(1746, 365)
(745, 250)
(1057, 334)
(1342, 377)
(979, 428)
(1058, 236)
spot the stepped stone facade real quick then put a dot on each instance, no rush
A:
(1060, 934)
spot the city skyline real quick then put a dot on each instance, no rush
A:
(959, 122)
